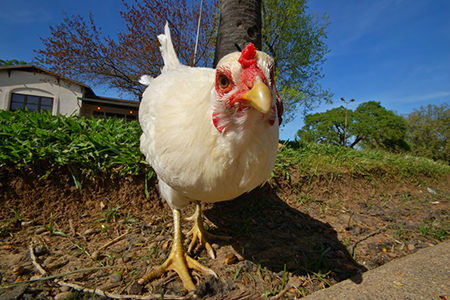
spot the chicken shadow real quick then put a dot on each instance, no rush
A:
(268, 232)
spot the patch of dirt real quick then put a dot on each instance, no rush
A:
(289, 238)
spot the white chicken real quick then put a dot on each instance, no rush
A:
(210, 135)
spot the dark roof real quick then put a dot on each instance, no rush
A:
(113, 101)
(36, 69)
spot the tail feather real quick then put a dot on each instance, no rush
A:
(168, 53)
(145, 79)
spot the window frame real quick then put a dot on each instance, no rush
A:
(40, 106)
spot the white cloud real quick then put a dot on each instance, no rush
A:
(25, 16)
(424, 97)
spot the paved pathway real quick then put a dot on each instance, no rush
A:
(422, 275)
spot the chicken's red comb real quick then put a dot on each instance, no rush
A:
(247, 58)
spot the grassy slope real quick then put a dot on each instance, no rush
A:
(110, 147)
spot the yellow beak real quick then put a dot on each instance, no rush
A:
(259, 97)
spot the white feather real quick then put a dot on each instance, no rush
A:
(192, 159)
(145, 79)
(168, 53)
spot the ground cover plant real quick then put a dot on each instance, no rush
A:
(78, 197)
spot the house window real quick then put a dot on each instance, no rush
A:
(99, 114)
(32, 103)
(117, 115)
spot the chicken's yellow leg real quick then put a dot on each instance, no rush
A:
(199, 233)
(178, 260)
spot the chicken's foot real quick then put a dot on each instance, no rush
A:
(178, 260)
(199, 233)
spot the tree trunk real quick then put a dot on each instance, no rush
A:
(240, 24)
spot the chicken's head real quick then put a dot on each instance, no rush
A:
(245, 89)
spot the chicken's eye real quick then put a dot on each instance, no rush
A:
(224, 82)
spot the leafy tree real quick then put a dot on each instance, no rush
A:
(369, 126)
(327, 127)
(77, 48)
(12, 62)
(295, 39)
(377, 127)
(429, 131)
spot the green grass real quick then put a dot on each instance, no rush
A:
(313, 160)
(90, 147)
(110, 147)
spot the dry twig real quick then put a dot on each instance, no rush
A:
(115, 296)
(114, 240)
(353, 246)
(35, 263)
(83, 289)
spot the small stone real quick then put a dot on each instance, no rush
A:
(57, 264)
(64, 288)
(91, 231)
(159, 238)
(411, 247)
(18, 270)
(26, 224)
(135, 288)
(248, 266)
(230, 284)
(240, 257)
(40, 230)
(296, 281)
(40, 250)
(115, 277)
(45, 295)
(356, 230)
(36, 277)
(64, 296)
(95, 255)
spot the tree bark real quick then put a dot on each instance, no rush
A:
(239, 24)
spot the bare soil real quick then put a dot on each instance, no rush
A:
(289, 237)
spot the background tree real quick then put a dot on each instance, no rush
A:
(76, 48)
(429, 131)
(378, 128)
(295, 39)
(326, 127)
(12, 62)
(369, 126)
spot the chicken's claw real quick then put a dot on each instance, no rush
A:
(199, 234)
(178, 261)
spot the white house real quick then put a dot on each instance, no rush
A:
(38, 89)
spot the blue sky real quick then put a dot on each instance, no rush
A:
(392, 51)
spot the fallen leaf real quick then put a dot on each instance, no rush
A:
(165, 245)
(231, 259)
